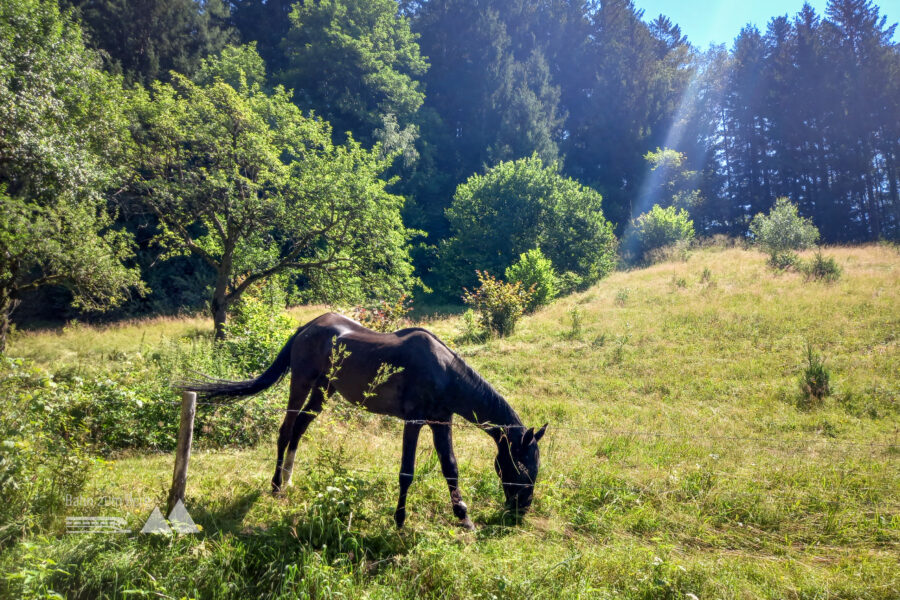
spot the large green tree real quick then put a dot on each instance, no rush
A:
(242, 179)
(518, 206)
(63, 142)
(354, 62)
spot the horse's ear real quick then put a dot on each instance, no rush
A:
(540, 432)
(527, 437)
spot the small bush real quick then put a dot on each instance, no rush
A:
(569, 283)
(815, 379)
(783, 260)
(576, 328)
(499, 305)
(658, 228)
(783, 231)
(821, 268)
(536, 273)
(258, 329)
(622, 296)
(471, 332)
(385, 316)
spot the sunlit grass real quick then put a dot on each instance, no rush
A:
(680, 458)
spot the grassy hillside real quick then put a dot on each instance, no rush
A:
(681, 459)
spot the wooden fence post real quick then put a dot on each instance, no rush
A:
(183, 451)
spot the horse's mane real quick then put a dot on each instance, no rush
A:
(473, 378)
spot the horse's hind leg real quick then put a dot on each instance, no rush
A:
(310, 412)
(407, 466)
(300, 384)
(443, 444)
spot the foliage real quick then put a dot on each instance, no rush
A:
(373, 63)
(568, 283)
(657, 228)
(783, 231)
(576, 323)
(821, 268)
(275, 195)
(499, 304)
(384, 316)
(671, 183)
(815, 378)
(42, 450)
(536, 273)
(62, 143)
(258, 329)
(146, 40)
(471, 332)
(521, 205)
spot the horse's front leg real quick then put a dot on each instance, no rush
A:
(407, 466)
(443, 444)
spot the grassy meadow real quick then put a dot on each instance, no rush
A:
(681, 460)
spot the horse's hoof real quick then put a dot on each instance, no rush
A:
(467, 524)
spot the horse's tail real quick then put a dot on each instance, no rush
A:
(223, 388)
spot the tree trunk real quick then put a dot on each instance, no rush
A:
(219, 316)
(219, 303)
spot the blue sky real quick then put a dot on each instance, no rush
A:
(719, 21)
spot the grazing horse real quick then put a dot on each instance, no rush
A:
(429, 384)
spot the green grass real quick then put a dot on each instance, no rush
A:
(680, 459)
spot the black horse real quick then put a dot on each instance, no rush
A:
(428, 384)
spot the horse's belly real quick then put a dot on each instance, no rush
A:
(383, 401)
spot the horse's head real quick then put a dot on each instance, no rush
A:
(517, 463)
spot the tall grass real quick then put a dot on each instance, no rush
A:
(678, 462)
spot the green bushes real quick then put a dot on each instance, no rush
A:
(499, 305)
(658, 228)
(42, 450)
(521, 205)
(782, 232)
(258, 329)
(536, 273)
(821, 268)
(815, 381)
(384, 316)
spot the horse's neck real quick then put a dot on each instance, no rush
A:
(479, 403)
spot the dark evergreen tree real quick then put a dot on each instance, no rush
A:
(146, 39)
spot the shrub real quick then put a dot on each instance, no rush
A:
(569, 283)
(520, 205)
(258, 329)
(575, 331)
(42, 450)
(536, 273)
(658, 228)
(471, 331)
(499, 305)
(815, 379)
(384, 316)
(821, 268)
(783, 231)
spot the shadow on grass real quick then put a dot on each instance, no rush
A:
(500, 524)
